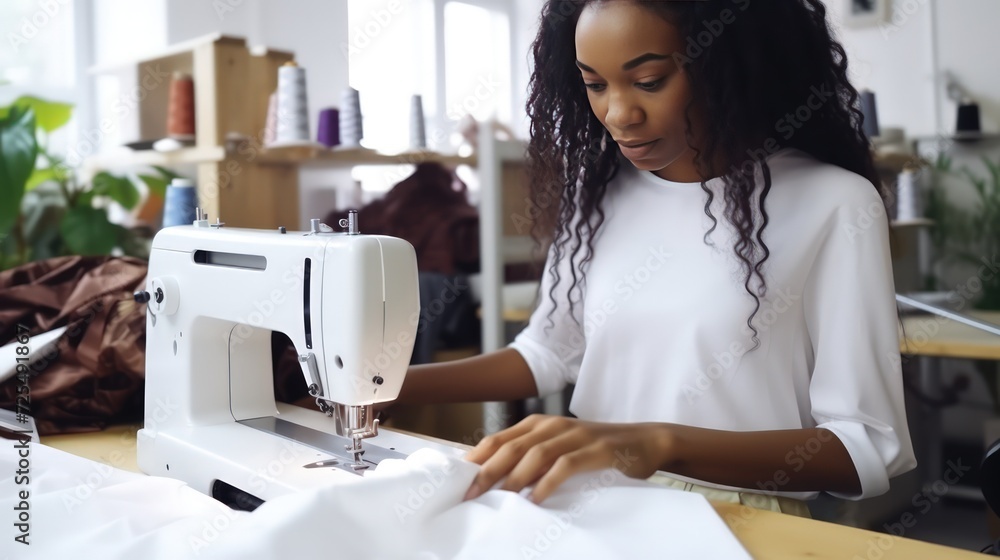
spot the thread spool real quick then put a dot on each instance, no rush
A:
(418, 134)
(328, 129)
(179, 203)
(271, 124)
(870, 112)
(967, 123)
(909, 204)
(180, 108)
(293, 107)
(351, 129)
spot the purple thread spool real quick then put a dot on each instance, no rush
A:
(328, 131)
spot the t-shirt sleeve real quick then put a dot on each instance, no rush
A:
(856, 386)
(553, 345)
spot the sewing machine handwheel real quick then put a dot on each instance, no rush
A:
(163, 295)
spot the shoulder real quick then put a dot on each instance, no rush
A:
(810, 185)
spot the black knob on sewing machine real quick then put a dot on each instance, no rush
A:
(142, 296)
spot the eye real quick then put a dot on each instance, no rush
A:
(649, 86)
(594, 86)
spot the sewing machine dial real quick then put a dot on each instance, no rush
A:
(163, 296)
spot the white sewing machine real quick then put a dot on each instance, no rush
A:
(349, 304)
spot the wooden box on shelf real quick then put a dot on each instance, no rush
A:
(232, 89)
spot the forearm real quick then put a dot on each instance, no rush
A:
(498, 376)
(783, 460)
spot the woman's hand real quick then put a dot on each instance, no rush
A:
(547, 450)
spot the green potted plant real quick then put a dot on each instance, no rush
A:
(45, 211)
(963, 236)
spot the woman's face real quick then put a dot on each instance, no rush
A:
(635, 88)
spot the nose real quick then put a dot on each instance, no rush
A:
(623, 112)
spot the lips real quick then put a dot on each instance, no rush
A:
(636, 149)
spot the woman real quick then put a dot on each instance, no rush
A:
(715, 288)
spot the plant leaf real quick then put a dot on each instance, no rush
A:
(51, 115)
(39, 176)
(87, 231)
(119, 189)
(157, 185)
(18, 151)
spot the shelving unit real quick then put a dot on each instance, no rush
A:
(232, 87)
(356, 156)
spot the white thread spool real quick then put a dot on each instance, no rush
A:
(908, 195)
(418, 134)
(293, 107)
(351, 130)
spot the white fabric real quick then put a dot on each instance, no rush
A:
(404, 509)
(661, 333)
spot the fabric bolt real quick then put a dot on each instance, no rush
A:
(404, 509)
(658, 331)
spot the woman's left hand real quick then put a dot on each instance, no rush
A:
(547, 450)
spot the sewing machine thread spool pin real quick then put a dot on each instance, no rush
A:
(350, 223)
(201, 218)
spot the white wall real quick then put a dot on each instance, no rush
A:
(968, 46)
(124, 30)
(313, 29)
(902, 59)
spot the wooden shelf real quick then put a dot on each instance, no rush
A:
(307, 155)
(119, 159)
(917, 222)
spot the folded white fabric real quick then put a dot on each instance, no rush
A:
(403, 509)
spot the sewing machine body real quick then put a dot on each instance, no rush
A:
(348, 303)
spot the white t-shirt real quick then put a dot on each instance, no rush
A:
(661, 333)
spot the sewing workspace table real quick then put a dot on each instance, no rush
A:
(764, 534)
(928, 335)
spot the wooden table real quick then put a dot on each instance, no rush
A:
(765, 534)
(930, 335)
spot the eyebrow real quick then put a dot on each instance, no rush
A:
(641, 59)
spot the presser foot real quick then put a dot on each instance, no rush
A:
(356, 450)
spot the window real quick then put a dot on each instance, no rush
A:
(39, 57)
(396, 51)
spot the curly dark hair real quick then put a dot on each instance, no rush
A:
(766, 62)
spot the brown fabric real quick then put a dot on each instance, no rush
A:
(430, 210)
(97, 375)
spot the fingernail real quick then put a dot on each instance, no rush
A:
(472, 493)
